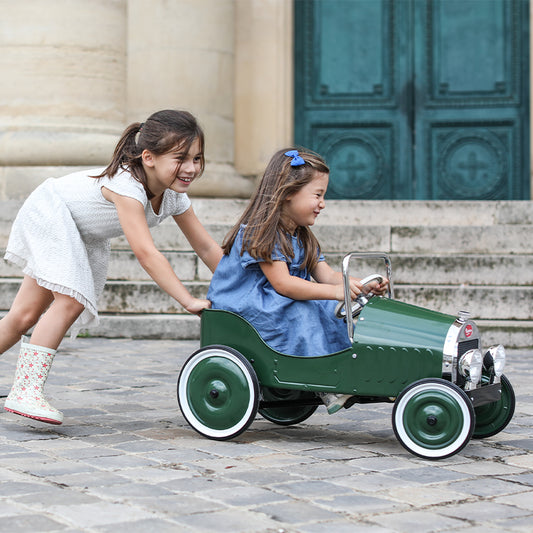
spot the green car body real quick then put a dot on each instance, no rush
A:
(428, 364)
(404, 345)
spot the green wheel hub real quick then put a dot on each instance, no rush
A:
(218, 392)
(433, 419)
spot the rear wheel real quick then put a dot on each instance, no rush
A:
(433, 418)
(218, 392)
(491, 418)
(286, 416)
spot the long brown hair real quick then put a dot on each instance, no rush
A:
(265, 228)
(162, 131)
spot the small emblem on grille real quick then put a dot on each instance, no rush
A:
(468, 331)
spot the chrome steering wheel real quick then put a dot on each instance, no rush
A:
(361, 300)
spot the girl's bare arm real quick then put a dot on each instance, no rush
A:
(297, 288)
(133, 221)
(323, 273)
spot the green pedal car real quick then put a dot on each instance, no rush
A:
(444, 388)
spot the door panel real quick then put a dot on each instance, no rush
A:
(470, 105)
(353, 111)
(341, 37)
(414, 98)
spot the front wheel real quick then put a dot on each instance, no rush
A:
(218, 392)
(433, 418)
(491, 418)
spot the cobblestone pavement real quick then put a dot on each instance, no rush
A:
(125, 460)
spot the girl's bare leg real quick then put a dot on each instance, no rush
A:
(29, 304)
(56, 321)
(35, 359)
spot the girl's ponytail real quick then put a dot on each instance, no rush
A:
(125, 151)
(127, 155)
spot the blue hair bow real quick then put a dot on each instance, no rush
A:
(297, 160)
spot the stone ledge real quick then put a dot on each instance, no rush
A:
(483, 302)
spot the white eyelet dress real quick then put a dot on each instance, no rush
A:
(60, 236)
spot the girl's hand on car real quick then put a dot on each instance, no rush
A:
(197, 305)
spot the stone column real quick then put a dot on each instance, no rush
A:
(62, 95)
(264, 82)
(181, 56)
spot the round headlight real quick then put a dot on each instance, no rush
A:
(497, 354)
(470, 365)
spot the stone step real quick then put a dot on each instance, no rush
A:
(510, 333)
(364, 212)
(462, 270)
(121, 296)
(458, 269)
(389, 212)
(443, 237)
(505, 239)
(123, 265)
(490, 303)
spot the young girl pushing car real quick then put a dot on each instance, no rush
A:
(271, 255)
(60, 238)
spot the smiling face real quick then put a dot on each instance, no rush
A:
(174, 170)
(302, 207)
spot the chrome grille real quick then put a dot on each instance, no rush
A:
(464, 346)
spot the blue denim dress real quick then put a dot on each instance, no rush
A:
(294, 327)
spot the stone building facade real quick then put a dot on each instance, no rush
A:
(76, 72)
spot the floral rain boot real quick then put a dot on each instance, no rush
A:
(26, 396)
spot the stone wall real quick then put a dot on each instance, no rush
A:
(75, 73)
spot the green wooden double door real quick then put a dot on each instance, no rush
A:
(415, 99)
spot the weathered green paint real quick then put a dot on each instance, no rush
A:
(415, 99)
(378, 364)
(386, 322)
